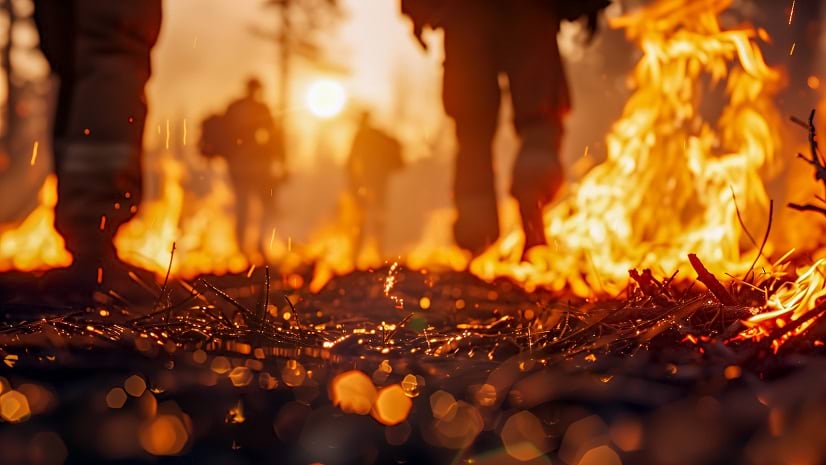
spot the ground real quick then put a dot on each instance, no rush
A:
(493, 374)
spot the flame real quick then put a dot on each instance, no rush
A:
(792, 303)
(666, 189)
(34, 244)
(668, 184)
(204, 238)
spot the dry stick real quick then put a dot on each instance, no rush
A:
(740, 218)
(816, 161)
(765, 237)
(399, 326)
(168, 308)
(710, 281)
(266, 295)
(247, 313)
(295, 313)
(165, 283)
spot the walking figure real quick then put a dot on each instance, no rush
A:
(247, 137)
(374, 157)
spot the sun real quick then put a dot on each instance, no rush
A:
(325, 98)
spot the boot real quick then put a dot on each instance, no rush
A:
(477, 223)
(99, 187)
(537, 178)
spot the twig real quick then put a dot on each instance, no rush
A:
(229, 299)
(266, 295)
(816, 161)
(710, 281)
(165, 282)
(765, 237)
(295, 313)
(740, 218)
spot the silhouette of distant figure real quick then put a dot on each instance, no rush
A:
(100, 52)
(516, 39)
(247, 137)
(373, 158)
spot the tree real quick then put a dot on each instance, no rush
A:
(300, 26)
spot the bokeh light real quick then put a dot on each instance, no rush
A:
(164, 435)
(14, 407)
(392, 405)
(353, 392)
(524, 437)
(134, 386)
(115, 398)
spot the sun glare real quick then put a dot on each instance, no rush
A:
(325, 98)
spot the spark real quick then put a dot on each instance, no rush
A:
(272, 239)
(791, 52)
(390, 283)
(167, 135)
(252, 268)
(184, 138)
(34, 153)
(791, 13)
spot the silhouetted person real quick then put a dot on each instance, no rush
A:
(100, 52)
(373, 158)
(483, 41)
(253, 147)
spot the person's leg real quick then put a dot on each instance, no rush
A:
(540, 99)
(54, 20)
(471, 97)
(243, 197)
(98, 166)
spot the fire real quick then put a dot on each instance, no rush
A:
(791, 304)
(668, 185)
(204, 238)
(667, 188)
(34, 244)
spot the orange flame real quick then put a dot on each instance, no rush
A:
(34, 244)
(666, 188)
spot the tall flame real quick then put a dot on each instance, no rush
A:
(669, 183)
(667, 187)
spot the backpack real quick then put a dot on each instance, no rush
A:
(214, 140)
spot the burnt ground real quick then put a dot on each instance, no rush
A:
(498, 375)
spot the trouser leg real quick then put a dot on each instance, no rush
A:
(98, 150)
(474, 190)
(243, 198)
(540, 98)
(471, 97)
(537, 177)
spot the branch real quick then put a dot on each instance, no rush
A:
(710, 281)
(816, 161)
